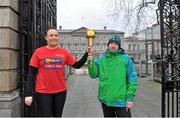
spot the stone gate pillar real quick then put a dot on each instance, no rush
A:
(9, 93)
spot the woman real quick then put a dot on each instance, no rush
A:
(46, 67)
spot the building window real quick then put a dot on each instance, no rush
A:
(129, 47)
(84, 47)
(139, 57)
(134, 46)
(138, 47)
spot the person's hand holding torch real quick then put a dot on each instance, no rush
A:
(90, 36)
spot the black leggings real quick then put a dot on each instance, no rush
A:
(50, 104)
(115, 111)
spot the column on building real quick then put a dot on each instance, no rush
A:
(9, 94)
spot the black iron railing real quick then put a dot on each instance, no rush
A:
(170, 35)
(35, 17)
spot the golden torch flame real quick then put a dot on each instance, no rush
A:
(90, 36)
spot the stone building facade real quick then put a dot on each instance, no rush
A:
(142, 43)
(75, 41)
(9, 45)
(144, 46)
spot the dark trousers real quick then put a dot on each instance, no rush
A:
(51, 105)
(115, 111)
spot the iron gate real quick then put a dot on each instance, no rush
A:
(170, 56)
(35, 17)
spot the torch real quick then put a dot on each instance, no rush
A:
(90, 36)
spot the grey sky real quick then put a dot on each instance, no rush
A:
(73, 14)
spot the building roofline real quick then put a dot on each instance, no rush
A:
(96, 30)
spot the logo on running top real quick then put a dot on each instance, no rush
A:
(52, 61)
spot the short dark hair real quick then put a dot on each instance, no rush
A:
(49, 28)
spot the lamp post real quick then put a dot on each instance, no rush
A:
(146, 52)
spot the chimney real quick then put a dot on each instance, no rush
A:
(60, 27)
(105, 27)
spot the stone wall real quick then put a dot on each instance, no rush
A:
(9, 38)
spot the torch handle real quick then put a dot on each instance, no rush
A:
(90, 63)
(89, 50)
(90, 42)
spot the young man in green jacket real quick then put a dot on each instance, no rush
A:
(117, 79)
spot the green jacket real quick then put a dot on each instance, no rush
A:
(117, 78)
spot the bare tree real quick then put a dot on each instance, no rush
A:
(135, 14)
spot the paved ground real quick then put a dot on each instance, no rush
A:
(82, 98)
(148, 99)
